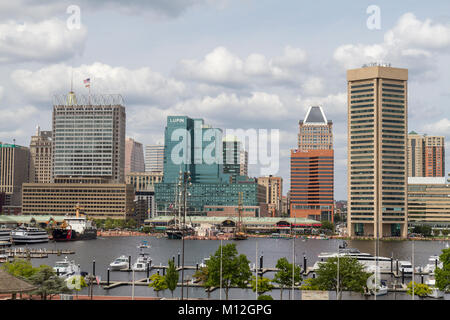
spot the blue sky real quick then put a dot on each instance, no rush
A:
(237, 64)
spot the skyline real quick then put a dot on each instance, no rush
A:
(184, 59)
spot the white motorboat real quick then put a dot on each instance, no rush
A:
(144, 245)
(141, 263)
(119, 263)
(29, 235)
(66, 268)
(406, 267)
(433, 262)
(203, 264)
(381, 289)
(435, 292)
(368, 260)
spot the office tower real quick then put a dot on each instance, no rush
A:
(243, 170)
(41, 157)
(274, 193)
(429, 201)
(312, 168)
(89, 137)
(134, 156)
(154, 158)
(235, 158)
(315, 131)
(14, 170)
(377, 157)
(426, 155)
(191, 146)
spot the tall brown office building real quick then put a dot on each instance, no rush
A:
(41, 157)
(134, 156)
(426, 155)
(14, 170)
(377, 157)
(312, 169)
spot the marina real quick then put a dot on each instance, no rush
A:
(95, 256)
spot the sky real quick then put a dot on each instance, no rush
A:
(238, 64)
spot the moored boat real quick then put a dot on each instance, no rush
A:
(29, 235)
(77, 227)
(66, 268)
(119, 263)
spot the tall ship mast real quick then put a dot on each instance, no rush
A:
(239, 231)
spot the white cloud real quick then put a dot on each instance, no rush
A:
(439, 128)
(222, 67)
(410, 40)
(135, 85)
(46, 41)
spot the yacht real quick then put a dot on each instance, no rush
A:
(203, 264)
(141, 263)
(119, 263)
(406, 266)
(143, 245)
(381, 290)
(435, 292)
(66, 268)
(433, 262)
(368, 260)
(5, 236)
(29, 235)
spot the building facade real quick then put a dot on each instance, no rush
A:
(134, 156)
(89, 137)
(429, 201)
(274, 193)
(41, 157)
(377, 157)
(154, 158)
(14, 170)
(97, 200)
(426, 155)
(312, 168)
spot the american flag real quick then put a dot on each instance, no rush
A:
(87, 82)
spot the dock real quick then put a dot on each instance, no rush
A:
(26, 253)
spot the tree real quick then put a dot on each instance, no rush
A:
(158, 282)
(443, 275)
(172, 277)
(235, 271)
(327, 225)
(48, 283)
(264, 285)
(420, 289)
(131, 223)
(20, 268)
(283, 277)
(265, 297)
(423, 230)
(309, 285)
(352, 276)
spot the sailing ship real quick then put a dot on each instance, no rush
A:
(77, 227)
(239, 231)
(179, 228)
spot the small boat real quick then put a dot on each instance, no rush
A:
(119, 263)
(66, 268)
(141, 263)
(29, 235)
(406, 267)
(435, 292)
(203, 264)
(143, 245)
(381, 289)
(433, 262)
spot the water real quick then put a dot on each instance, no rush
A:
(105, 249)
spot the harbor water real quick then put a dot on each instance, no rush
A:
(105, 249)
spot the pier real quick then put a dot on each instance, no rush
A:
(26, 253)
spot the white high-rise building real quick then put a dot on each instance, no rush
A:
(154, 158)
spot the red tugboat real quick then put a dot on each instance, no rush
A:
(77, 227)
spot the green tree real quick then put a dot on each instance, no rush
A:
(158, 282)
(235, 269)
(131, 223)
(327, 225)
(442, 275)
(48, 283)
(309, 285)
(265, 297)
(20, 268)
(352, 276)
(283, 277)
(423, 230)
(172, 276)
(108, 224)
(420, 289)
(264, 284)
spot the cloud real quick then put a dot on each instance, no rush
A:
(439, 128)
(135, 85)
(411, 42)
(46, 41)
(222, 67)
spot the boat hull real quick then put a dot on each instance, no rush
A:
(72, 235)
